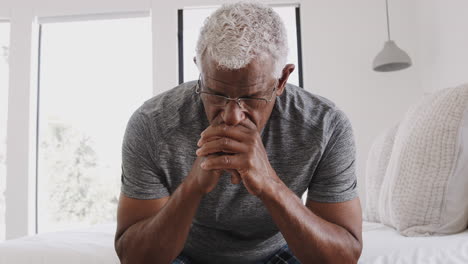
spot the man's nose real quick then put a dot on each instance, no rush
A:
(232, 114)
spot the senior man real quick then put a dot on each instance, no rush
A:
(213, 170)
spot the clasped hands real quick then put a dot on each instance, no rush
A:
(238, 150)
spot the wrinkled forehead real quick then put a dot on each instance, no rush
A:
(254, 78)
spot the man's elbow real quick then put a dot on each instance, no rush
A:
(118, 246)
(356, 250)
(125, 251)
(349, 254)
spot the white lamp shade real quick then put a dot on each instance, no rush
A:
(391, 58)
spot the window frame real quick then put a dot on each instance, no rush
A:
(64, 19)
(21, 216)
(180, 41)
(6, 21)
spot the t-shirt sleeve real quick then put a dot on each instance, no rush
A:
(334, 179)
(141, 177)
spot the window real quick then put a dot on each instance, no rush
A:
(4, 45)
(93, 75)
(191, 21)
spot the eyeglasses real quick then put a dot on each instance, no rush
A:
(242, 102)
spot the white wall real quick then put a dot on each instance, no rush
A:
(443, 42)
(340, 40)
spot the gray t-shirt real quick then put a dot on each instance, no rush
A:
(309, 143)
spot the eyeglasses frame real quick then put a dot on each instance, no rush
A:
(238, 100)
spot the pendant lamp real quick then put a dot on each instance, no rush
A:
(391, 58)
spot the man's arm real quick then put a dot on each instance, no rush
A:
(317, 232)
(155, 231)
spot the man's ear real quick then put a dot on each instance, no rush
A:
(287, 70)
(195, 60)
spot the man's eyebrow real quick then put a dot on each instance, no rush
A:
(245, 85)
(256, 94)
(213, 91)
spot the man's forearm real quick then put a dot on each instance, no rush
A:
(311, 238)
(161, 238)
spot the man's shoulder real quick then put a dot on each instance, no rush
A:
(310, 111)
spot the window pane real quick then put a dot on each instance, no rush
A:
(93, 75)
(193, 21)
(4, 45)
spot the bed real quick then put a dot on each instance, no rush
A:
(93, 245)
(382, 245)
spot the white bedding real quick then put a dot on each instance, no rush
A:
(382, 245)
(82, 246)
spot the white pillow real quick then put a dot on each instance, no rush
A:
(425, 189)
(376, 166)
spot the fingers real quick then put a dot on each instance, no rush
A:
(200, 142)
(225, 145)
(248, 124)
(235, 132)
(222, 162)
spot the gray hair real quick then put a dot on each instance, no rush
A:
(236, 33)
